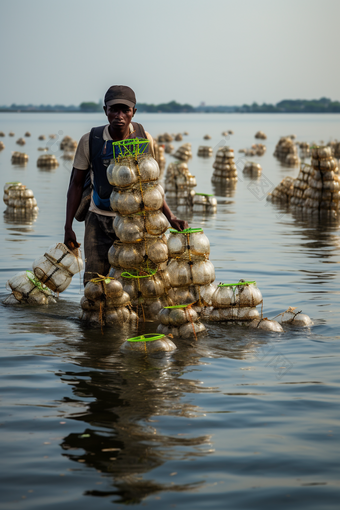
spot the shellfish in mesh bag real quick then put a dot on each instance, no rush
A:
(19, 158)
(124, 172)
(252, 168)
(175, 317)
(146, 197)
(22, 203)
(105, 302)
(134, 255)
(266, 325)
(28, 289)
(132, 229)
(328, 175)
(188, 330)
(111, 317)
(103, 287)
(203, 272)
(324, 164)
(184, 295)
(321, 152)
(193, 240)
(234, 313)
(179, 273)
(57, 266)
(149, 343)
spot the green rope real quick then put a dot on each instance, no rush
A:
(235, 284)
(143, 338)
(38, 283)
(186, 231)
(178, 306)
(151, 272)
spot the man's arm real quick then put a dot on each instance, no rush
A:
(74, 196)
(174, 222)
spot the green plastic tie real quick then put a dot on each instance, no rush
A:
(204, 194)
(151, 272)
(130, 147)
(38, 283)
(235, 284)
(186, 231)
(149, 337)
(178, 306)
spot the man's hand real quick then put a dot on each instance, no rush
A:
(179, 224)
(70, 239)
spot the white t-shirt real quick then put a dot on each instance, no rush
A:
(82, 161)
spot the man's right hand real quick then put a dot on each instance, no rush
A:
(70, 239)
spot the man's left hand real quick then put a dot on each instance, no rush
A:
(179, 224)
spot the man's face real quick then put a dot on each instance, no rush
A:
(119, 115)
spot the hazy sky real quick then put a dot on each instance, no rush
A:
(218, 51)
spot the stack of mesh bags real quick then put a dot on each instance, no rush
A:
(19, 158)
(337, 150)
(138, 260)
(52, 273)
(225, 170)
(159, 155)
(252, 169)
(19, 199)
(179, 185)
(235, 302)
(300, 185)
(204, 203)
(191, 273)
(283, 191)
(148, 343)
(105, 303)
(204, 151)
(2, 146)
(286, 151)
(323, 193)
(166, 137)
(183, 153)
(304, 149)
(47, 161)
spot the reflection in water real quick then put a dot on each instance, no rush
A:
(119, 400)
(21, 218)
(224, 190)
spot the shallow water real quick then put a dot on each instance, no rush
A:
(242, 418)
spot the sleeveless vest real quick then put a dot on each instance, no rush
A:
(101, 187)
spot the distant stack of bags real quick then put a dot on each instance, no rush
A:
(299, 186)
(204, 151)
(324, 182)
(164, 138)
(159, 155)
(252, 169)
(225, 170)
(47, 161)
(19, 199)
(52, 272)
(183, 153)
(204, 203)
(260, 135)
(304, 149)
(191, 274)
(138, 260)
(284, 190)
(21, 141)
(179, 185)
(317, 187)
(19, 158)
(337, 150)
(2, 146)
(286, 151)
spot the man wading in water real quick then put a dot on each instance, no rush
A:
(119, 108)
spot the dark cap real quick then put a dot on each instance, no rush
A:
(120, 94)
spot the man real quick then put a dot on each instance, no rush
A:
(119, 108)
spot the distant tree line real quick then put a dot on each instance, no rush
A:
(323, 105)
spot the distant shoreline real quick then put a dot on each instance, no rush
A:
(176, 113)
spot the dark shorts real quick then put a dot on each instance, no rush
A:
(98, 239)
